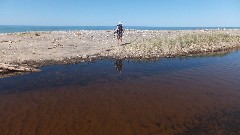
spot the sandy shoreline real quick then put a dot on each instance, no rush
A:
(66, 47)
(167, 97)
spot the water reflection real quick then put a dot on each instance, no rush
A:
(118, 65)
(171, 96)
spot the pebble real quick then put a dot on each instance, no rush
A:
(84, 56)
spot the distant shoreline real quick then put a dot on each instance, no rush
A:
(29, 28)
(38, 49)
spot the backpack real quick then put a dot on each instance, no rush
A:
(120, 28)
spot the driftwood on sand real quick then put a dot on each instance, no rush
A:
(17, 68)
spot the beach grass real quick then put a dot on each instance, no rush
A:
(184, 44)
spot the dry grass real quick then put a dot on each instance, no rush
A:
(184, 44)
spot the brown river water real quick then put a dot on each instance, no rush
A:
(177, 96)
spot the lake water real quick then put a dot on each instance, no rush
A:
(180, 96)
(16, 28)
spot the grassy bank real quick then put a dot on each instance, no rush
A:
(179, 44)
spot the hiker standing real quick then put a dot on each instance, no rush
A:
(119, 30)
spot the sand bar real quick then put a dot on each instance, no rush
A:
(64, 47)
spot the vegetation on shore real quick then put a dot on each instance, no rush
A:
(182, 44)
(65, 47)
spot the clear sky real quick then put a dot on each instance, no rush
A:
(165, 13)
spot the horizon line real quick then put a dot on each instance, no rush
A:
(115, 25)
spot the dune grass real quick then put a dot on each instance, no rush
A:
(185, 43)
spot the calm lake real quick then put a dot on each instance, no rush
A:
(179, 96)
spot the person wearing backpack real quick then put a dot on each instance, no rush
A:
(119, 30)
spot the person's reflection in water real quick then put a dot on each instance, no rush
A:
(118, 65)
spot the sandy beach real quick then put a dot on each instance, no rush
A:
(65, 47)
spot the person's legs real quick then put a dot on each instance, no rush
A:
(119, 38)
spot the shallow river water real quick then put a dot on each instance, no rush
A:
(180, 96)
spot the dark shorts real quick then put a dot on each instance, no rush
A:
(119, 35)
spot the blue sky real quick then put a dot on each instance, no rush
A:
(165, 13)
